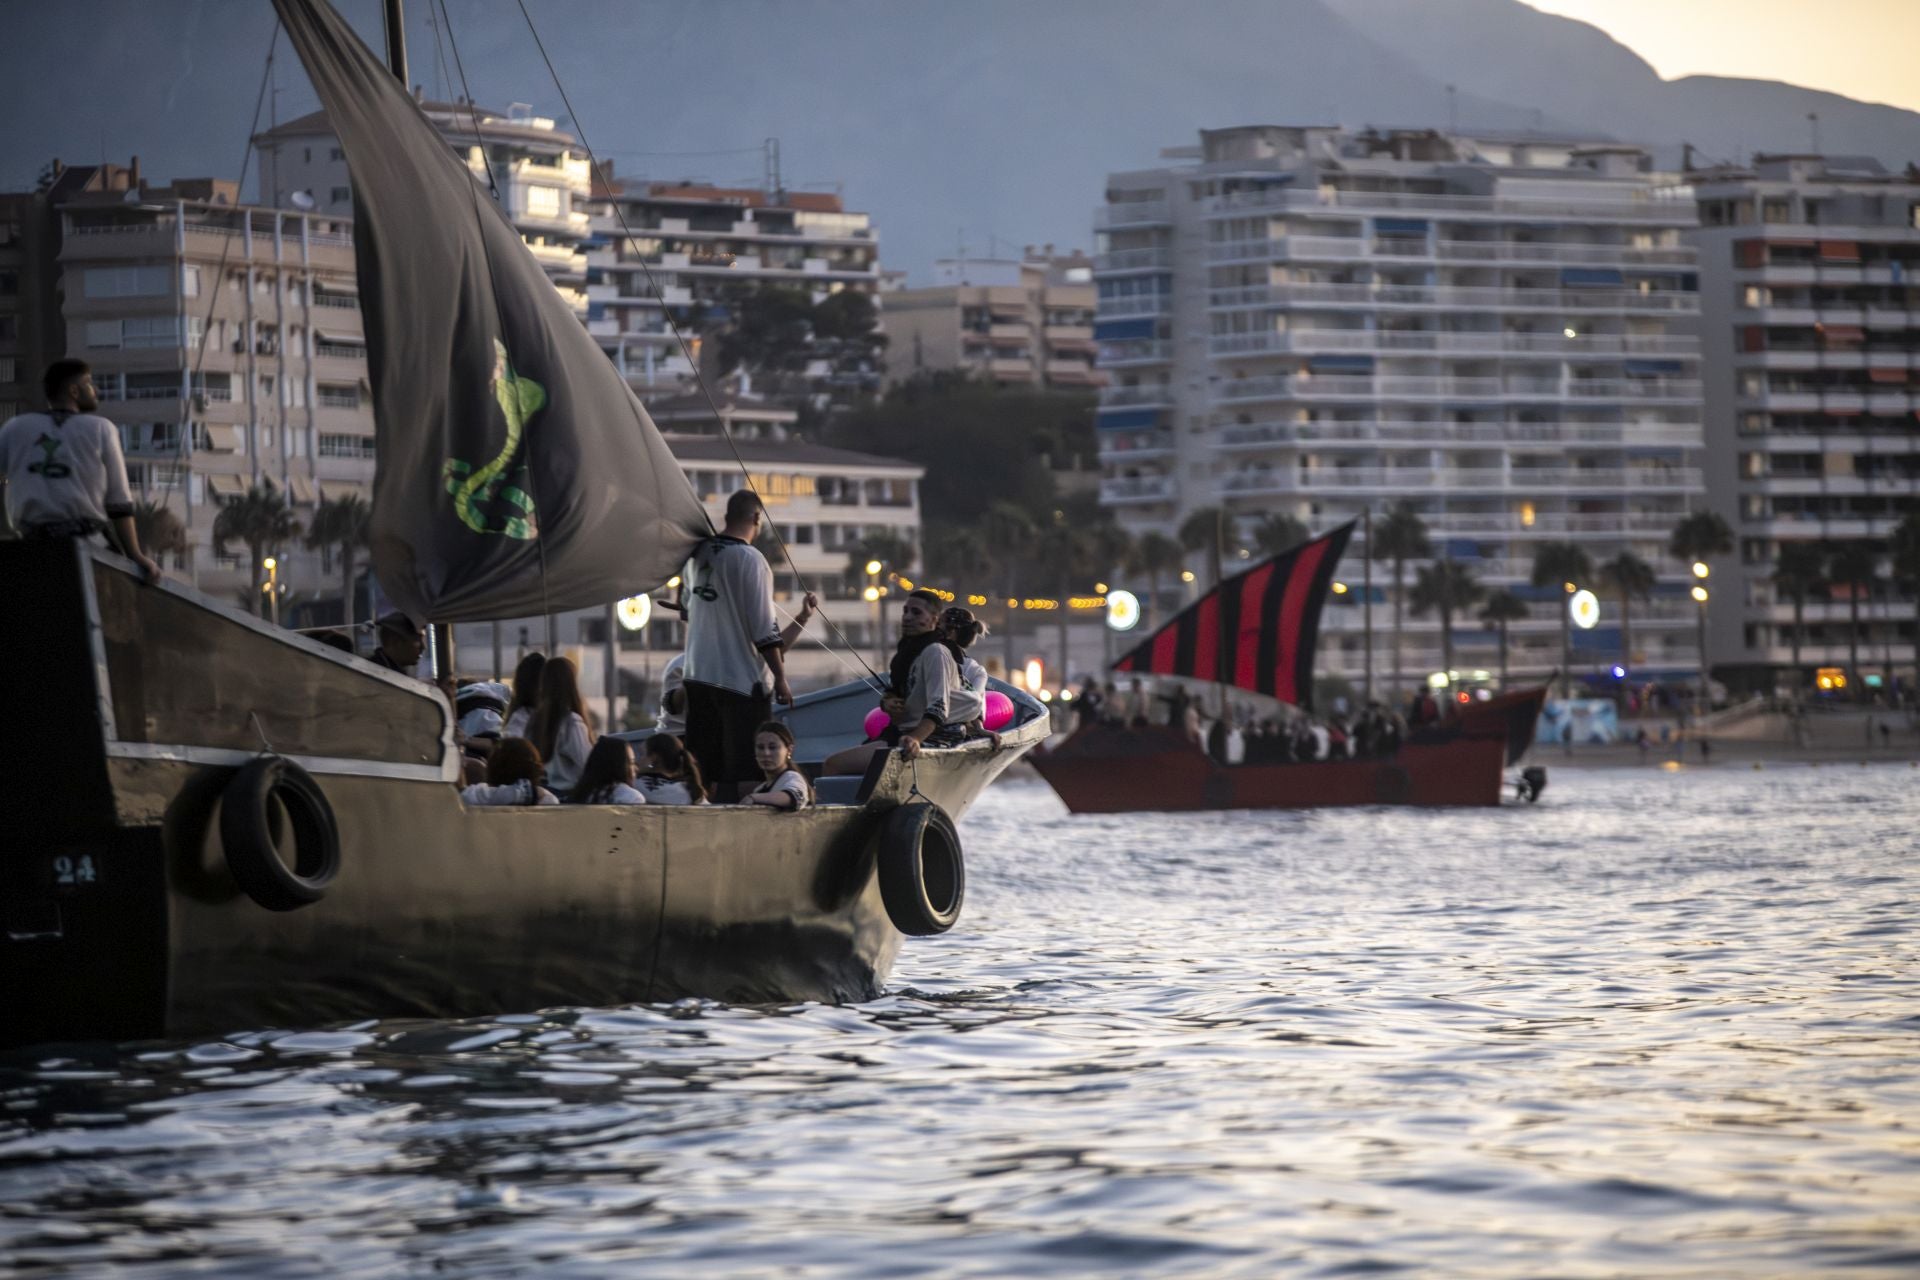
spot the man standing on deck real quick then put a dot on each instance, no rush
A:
(735, 668)
(66, 476)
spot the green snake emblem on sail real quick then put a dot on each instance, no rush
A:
(478, 491)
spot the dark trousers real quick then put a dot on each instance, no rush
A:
(720, 729)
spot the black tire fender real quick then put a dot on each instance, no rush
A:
(923, 875)
(247, 834)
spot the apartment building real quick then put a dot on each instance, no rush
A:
(692, 250)
(1024, 321)
(226, 342)
(1499, 328)
(1810, 276)
(542, 178)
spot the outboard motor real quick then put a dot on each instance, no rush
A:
(1532, 781)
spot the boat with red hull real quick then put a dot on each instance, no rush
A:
(1257, 632)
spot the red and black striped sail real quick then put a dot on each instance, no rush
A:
(1256, 631)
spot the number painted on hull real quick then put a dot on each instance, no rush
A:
(75, 871)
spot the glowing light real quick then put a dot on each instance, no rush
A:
(1700, 569)
(1619, 672)
(1046, 695)
(1036, 673)
(1066, 695)
(905, 583)
(870, 594)
(976, 600)
(873, 566)
(1526, 515)
(1571, 588)
(1099, 588)
(269, 563)
(1012, 603)
(1438, 680)
(1700, 594)
(1123, 610)
(1339, 588)
(674, 581)
(1584, 608)
(634, 611)
(1186, 575)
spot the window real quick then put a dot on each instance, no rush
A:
(189, 282)
(145, 331)
(127, 282)
(543, 202)
(338, 154)
(345, 446)
(6, 368)
(9, 283)
(9, 232)
(306, 155)
(340, 195)
(9, 328)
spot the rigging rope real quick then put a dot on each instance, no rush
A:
(686, 349)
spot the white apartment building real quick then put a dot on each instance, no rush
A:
(543, 180)
(227, 344)
(1015, 321)
(1499, 328)
(1810, 276)
(689, 249)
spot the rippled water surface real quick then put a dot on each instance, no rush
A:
(1661, 1024)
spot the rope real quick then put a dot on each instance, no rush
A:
(686, 349)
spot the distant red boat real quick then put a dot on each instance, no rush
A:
(1257, 632)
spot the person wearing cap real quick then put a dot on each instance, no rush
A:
(65, 474)
(401, 644)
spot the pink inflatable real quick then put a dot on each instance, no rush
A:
(999, 711)
(877, 722)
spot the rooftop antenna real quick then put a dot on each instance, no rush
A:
(774, 190)
(1813, 125)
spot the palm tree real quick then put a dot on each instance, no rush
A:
(161, 532)
(1797, 572)
(1502, 607)
(1399, 536)
(1206, 530)
(1903, 547)
(1068, 555)
(959, 558)
(1009, 533)
(1278, 532)
(1446, 587)
(1154, 555)
(1554, 565)
(262, 518)
(341, 523)
(1698, 536)
(1851, 565)
(1631, 579)
(895, 554)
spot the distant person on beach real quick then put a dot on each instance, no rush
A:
(735, 668)
(65, 474)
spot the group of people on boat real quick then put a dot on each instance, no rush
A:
(1287, 736)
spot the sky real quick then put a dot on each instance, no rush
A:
(1865, 49)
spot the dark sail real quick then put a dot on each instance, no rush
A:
(518, 473)
(1256, 631)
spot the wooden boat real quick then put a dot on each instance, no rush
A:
(1256, 632)
(213, 823)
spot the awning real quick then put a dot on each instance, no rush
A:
(1887, 375)
(1590, 278)
(1123, 330)
(1126, 419)
(1650, 368)
(1400, 226)
(1341, 364)
(221, 438)
(226, 486)
(303, 490)
(1839, 251)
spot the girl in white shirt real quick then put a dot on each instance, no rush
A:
(513, 777)
(526, 694)
(773, 752)
(672, 775)
(559, 727)
(608, 777)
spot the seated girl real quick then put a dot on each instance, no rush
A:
(608, 776)
(923, 676)
(968, 704)
(784, 788)
(672, 775)
(513, 777)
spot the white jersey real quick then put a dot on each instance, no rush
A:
(570, 748)
(659, 790)
(729, 616)
(969, 702)
(674, 677)
(63, 466)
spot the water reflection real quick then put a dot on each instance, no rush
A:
(1662, 1023)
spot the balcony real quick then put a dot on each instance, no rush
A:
(1470, 479)
(1139, 446)
(1152, 394)
(1130, 213)
(1122, 260)
(1677, 212)
(1445, 343)
(1137, 489)
(1453, 298)
(1152, 304)
(1118, 355)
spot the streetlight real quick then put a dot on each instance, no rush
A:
(1700, 597)
(272, 587)
(872, 596)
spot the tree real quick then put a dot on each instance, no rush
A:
(1067, 557)
(1205, 530)
(1278, 532)
(1154, 555)
(1797, 572)
(1851, 565)
(1554, 565)
(895, 554)
(1502, 607)
(1445, 587)
(261, 518)
(1700, 535)
(1399, 536)
(1008, 533)
(1903, 547)
(161, 532)
(767, 330)
(1631, 578)
(957, 558)
(342, 524)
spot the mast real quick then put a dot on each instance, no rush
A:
(397, 41)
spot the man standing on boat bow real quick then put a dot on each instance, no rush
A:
(66, 476)
(735, 668)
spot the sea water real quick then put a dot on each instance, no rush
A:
(1663, 1023)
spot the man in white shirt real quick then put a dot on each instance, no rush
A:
(735, 647)
(66, 476)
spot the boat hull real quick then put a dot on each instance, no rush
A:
(1106, 769)
(124, 921)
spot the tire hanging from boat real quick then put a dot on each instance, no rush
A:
(247, 834)
(923, 875)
